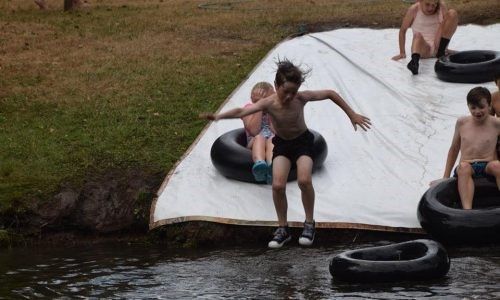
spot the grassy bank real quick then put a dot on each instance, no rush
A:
(119, 84)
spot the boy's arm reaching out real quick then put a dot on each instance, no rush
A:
(453, 152)
(356, 119)
(235, 113)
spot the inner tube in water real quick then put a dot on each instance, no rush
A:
(413, 260)
(474, 66)
(233, 159)
(440, 213)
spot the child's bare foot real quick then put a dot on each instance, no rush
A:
(41, 4)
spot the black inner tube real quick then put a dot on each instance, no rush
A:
(403, 252)
(473, 66)
(471, 58)
(440, 213)
(232, 159)
(413, 260)
(485, 195)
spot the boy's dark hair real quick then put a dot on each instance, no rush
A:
(476, 94)
(287, 71)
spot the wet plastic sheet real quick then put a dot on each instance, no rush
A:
(370, 180)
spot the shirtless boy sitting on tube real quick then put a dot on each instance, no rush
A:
(475, 138)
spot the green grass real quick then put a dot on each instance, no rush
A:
(47, 142)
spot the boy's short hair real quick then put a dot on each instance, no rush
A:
(476, 94)
(287, 71)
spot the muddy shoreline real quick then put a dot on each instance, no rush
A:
(114, 208)
(110, 206)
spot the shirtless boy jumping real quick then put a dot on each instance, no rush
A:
(293, 143)
(476, 138)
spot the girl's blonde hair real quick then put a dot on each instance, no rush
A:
(438, 5)
(263, 85)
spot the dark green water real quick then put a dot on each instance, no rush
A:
(140, 272)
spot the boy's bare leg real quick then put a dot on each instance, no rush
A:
(259, 148)
(465, 184)
(493, 168)
(281, 168)
(304, 179)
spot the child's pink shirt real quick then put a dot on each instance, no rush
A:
(428, 26)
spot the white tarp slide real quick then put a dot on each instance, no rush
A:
(370, 180)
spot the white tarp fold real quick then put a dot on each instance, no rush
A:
(370, 180)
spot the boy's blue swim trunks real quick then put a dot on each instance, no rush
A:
(479, 168)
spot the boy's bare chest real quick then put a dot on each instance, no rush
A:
(288, 113)
(478, 137)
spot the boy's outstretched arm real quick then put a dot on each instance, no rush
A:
(233, 113)
(453, 152)
(356, 119)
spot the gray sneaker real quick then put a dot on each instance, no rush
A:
(307, 236)
(281, 236)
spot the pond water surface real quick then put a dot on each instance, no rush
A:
(150, 272)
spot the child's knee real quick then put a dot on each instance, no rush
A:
(452, 14)
(279, 186)
(464, 169)
(494, 168)
(305, 183)
(260, 138)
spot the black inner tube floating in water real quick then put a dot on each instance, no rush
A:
(440, 213)
(233, 159)
(413, 260)
(473, 66)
